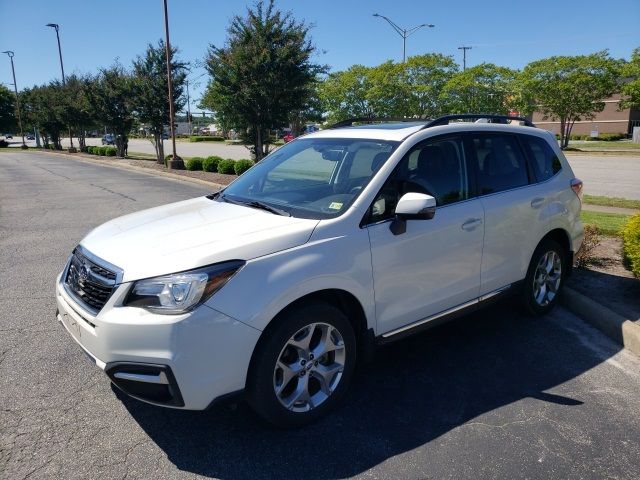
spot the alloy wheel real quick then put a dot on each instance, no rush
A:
(309, 367)
(547, 278)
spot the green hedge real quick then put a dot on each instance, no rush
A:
(4, 144)
(227, 166)
(194, 163)
(110, 151)
(210, 164)
(631, 244)
(205, 138)
(242, 166)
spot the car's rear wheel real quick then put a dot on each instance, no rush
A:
(545, 278)
(303, 368)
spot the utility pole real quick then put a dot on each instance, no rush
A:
(15, 88)
(464, 56)
(176, 162)
(188, 108)
(57, 29)
(404, 33)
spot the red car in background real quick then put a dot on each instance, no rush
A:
(288, 137)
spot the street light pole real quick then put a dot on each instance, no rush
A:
(64, 82)
(464, 56)
(15, 87)
(176, 162)
(404, 32)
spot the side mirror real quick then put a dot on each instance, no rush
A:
(412, 206)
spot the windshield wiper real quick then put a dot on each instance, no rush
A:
(268, 208)
(255, 204)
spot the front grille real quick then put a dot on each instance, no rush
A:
(90, 283)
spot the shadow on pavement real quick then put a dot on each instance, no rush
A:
(415, 391)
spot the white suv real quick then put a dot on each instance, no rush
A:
(338, 241)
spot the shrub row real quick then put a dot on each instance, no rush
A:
(605, 137)
(218, 164)
(205, 138)
(4, 144)
(104, 151)
(631, 244)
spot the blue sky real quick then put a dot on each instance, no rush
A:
(506, 32)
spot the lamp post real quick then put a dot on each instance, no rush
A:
(176, 162)
(15, 87)
(464, 56)
(404, 32)
(57, 29)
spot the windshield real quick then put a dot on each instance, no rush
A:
(311, 177)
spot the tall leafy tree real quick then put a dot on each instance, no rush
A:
(631, 78)
(569, 89)
(77, 111)
(7, 110)
(484, 88)
(44, 108)
(424, 77)
(263, 73)
(112, 100)
(151, 101)
(346, 94)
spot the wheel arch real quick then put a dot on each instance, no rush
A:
(342, 299)
(562, 238)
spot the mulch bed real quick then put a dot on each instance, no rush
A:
(606, 281)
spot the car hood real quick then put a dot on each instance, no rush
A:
(193, 233)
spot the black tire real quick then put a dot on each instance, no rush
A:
(261, 394)
(531, 305)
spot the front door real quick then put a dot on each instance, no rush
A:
(435, 264)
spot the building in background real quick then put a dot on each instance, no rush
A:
(610, 120)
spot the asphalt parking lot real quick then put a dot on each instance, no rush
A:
(493, 395)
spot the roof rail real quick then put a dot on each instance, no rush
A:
(444, 120)
(350, 121)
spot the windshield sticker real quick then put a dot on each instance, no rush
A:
(335, 205)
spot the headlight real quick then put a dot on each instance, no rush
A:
(181, 292)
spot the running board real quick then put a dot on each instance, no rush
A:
(445, 313)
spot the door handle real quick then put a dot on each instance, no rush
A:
(471, 224)
(537, 202)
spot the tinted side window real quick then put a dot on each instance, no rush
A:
(545, 161)
(436, 167)
(501, 164)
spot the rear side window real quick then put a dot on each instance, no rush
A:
(501, 163)
(545, 162)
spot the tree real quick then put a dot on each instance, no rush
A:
(569, 88)
(152, 102)
(411, 89)
(262, 74)
(484, 88)
(77, 111)
(631, 88)
(44, 108)
(345, 94)
(113, 101)
(7, 110)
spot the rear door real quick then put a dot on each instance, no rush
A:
(513, 224)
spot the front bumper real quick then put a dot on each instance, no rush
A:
(192, 359)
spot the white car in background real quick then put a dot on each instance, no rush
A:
(274, 287)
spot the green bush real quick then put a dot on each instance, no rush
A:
(631, 244)
(242, 166)
(103, 151)
(226, 166)
(84, 149)
(110, 151)
(210, 164)
(205, 138)
(4, 144)
(194, 163)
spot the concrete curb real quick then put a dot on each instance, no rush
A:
(618, 328)
(148, 171)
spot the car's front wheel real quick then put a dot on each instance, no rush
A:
(545, 278)
(303, 368)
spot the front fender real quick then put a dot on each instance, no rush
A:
(266, 285)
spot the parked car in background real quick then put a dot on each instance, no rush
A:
(355, 236)
(108, 139)
(30, 136)
(288, 137)
(8, 136)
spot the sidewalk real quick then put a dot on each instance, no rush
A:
(604, 209)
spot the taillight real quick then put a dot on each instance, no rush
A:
(576, 186)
